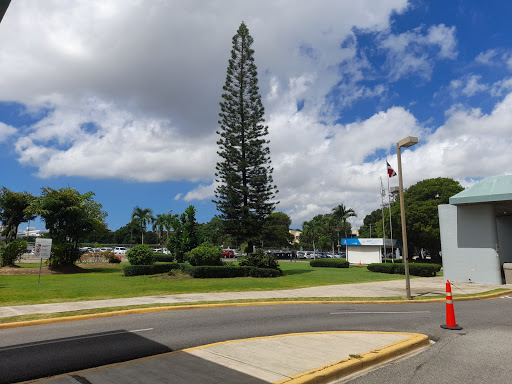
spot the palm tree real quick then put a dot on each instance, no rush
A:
(311, 231)
(143, 217)
(343, 213)
(159, 224)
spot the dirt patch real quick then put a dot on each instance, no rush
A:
(69, 269)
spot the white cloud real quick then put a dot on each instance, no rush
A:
(6, 131)
(487, 57)
(96, 139)
(473, 86)
(201, 192)
(408, 54)
(501, 87)
(468, 86)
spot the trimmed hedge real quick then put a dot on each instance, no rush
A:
(201, 272)
(259, 259)
(415, 269)
(226, 271)
(204, 255)
(137, 270)
(160, 257)
(329, 263)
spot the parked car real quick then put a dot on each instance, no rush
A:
(119, 251)
(228, 253)
(301, 255)
(85, 249)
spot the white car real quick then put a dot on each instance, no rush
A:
(118, 251)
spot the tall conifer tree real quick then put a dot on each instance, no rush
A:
(246, 191)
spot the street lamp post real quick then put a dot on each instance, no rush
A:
(404, 143)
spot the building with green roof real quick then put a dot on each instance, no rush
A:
(476, 232)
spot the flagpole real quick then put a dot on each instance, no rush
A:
(390, 224)
(382, 209)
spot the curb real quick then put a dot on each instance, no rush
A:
(136, 311)
(321, 375)
(366, 360)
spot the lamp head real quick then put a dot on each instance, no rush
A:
(407, 142)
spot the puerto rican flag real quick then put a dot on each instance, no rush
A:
(391, 171)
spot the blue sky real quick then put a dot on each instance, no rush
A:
(121, 98)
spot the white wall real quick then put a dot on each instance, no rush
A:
(468, 240)
(366, 254)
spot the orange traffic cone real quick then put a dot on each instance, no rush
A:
(360, 262)
(450, 313)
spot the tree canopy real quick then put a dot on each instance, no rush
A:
(69, 216)
(14, 211)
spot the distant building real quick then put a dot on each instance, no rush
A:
(296, 235)
(368, 251)
(32, 232)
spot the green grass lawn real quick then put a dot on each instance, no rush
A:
(107, 283)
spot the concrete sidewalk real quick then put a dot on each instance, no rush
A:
(424, 286)
(317, 357)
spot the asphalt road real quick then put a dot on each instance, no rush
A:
(481, 352)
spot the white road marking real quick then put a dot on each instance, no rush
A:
(358, 313)
(37, 343)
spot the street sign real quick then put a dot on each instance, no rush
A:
(43, 248)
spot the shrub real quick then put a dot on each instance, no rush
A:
(137, 270)
(422, 269)
(259, 259)
(415, 269)
(208, 271)
(382, 268)
(163, 258)
(111, 257)
(12, 251)
(265, 272)
(141, 254)
(329, 263)
(212, 272)
(204, 255)
(63, 254)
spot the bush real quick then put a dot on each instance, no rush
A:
(141, 254)
(12, 251)
(422, 269)
(137, 270)
(163, 258)
(415, 269)
(382, 268)
(109, 255)
(63, 254)
(204, 255)
(259, 259)
(329, 263)
(265, 272)
(213, 272)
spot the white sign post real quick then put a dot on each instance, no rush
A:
(42, 250)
